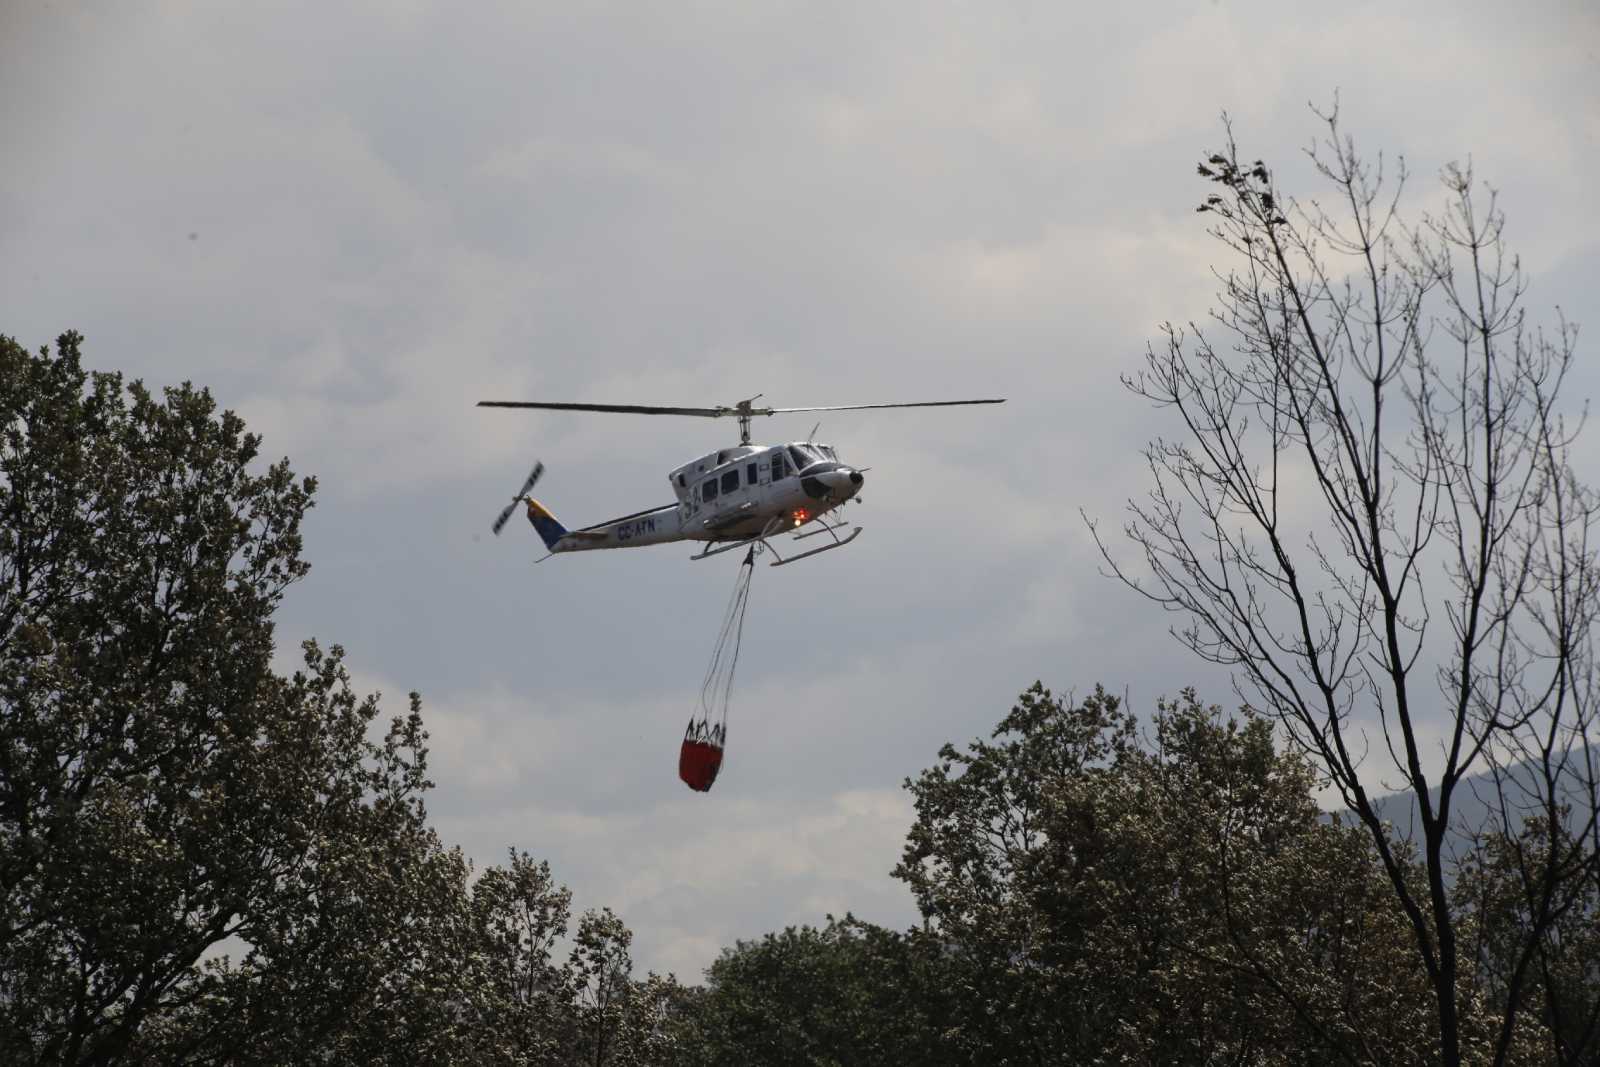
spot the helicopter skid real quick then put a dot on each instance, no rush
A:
(823, 527)
(772, 527)
(837, 543)
(776, 526)
(729, 547)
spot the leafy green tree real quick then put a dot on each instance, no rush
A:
(1269, 928)
(850, 994)
(615, 1020)
(973, 861)
(515, 1004)
(1501, 888)
(1092, 894)
(356, 950)
(201, 860)
(140, 562)
(519, 914)
(1176, 901)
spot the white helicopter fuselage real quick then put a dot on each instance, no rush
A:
(733, 494)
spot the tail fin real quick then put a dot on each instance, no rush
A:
(549, 529)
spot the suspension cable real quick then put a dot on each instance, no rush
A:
(717, 688)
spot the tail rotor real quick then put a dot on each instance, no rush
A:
(527, 486)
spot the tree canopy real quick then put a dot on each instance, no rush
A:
(202, 860)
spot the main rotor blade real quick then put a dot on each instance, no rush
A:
(625, 409)
(863, 407)
(744, 410)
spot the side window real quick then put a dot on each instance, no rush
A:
(777, 466)
(708, 490)
(730, 480)
(750, 475)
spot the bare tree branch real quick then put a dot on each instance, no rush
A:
(1379, 446)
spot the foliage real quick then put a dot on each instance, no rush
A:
(202, 860)
(1502, 886)
(140, 562)
(1096, 894)
(850, 994)
(978, 858)
(1181, 901)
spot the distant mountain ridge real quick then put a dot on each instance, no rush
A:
(1473, 807)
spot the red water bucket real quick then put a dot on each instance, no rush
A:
(701, 756)
(698, 764)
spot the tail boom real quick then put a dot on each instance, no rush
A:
(652, 527)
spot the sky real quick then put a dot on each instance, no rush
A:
(352, 222)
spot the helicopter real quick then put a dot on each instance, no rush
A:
(735, 497)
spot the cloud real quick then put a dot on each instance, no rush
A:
(693, 874)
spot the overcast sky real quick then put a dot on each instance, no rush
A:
(352, 222)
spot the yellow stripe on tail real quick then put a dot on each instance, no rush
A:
(545, 523)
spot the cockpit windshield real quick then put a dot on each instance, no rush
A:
(803, 456)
